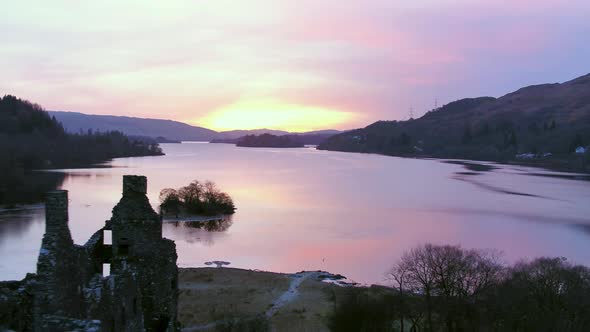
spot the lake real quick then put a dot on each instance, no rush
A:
(303, 209)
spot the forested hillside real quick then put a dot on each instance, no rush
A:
(162, 130)
(173, 130)
(30, 140)
(545, 122)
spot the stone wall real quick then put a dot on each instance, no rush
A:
(69, 291)
(153, 257)
(59, 282)
(16, 304)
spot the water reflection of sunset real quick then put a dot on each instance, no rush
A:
(267, 195)
(351, 214)
(239, 65)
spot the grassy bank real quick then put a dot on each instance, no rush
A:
(228, 299)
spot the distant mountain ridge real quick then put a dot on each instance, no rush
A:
(233, 134)
(268, 141)
(301, 139)
(546, 121)
(75, 122)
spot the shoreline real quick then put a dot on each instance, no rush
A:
(22, 207)
(195, 219)
(537, 165)
(210, 298)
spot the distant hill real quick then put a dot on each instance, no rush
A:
(268, 141)
(545, 122)
(236, 134)
(233, 134)
(311, 138)
(161, 130)
(75, 122)
(320, 132)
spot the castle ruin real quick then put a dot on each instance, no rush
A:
(73, 289)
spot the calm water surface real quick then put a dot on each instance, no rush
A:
(302, 209)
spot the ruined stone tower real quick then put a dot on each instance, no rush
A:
(58, 281)
(71, 292)
(137, 242)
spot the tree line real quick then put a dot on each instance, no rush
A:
(269, 141)
(31, 140)
(448, 288)
(550, 130)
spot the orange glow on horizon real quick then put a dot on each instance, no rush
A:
(272, 114)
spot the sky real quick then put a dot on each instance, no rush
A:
(292, 65)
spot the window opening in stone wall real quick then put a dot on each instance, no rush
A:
(107, 237)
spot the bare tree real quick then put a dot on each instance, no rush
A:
(449, 274)
(210, 192)
(170, 201)
(192, 194)
(419, 277)
(397, 276)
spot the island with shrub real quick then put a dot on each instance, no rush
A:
(196, 199)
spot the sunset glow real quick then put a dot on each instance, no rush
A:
(294, 65)
(275, 115)
(295, 165)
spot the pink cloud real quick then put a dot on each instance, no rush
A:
(376, 57)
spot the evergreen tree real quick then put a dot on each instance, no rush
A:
(467, 137)
(513, 141)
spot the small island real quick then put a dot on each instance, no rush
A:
(198, 199)
(268, 141)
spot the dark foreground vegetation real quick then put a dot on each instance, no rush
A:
(447, 288)
(540, 125)
(196, 199)
(247, 324)
(32, 140)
